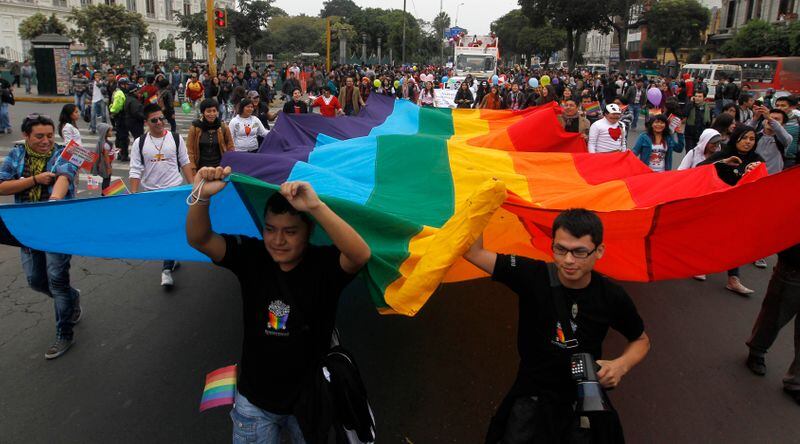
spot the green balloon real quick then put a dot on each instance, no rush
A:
(397, 84)
(186, 108)
(377, 83)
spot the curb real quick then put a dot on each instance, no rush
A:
(45, 99)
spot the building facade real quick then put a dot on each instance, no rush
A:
(737, 13)
(160, 16)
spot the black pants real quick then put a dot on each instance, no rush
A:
(16, 81)
(122, 141)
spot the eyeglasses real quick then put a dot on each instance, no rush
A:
(577, 253)
(158, 119)
(34, 116)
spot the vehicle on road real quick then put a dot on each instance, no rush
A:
(476, 55)
(760, 73)
(712, 74)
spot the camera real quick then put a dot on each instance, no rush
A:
(591, 396)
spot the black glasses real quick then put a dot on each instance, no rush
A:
(158, 119)
(577, 253)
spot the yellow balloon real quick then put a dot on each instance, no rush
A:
(377, 83)
(545, 80)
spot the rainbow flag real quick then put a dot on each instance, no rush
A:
(220, 388)
(420, 185)
(116, 187)
(593, 107)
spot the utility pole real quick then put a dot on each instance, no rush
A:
(403, 59)
(328, 44)
(212, 38)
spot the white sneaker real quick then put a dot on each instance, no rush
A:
(166, 279)
(761, 263)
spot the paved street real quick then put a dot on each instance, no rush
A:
(137, 370)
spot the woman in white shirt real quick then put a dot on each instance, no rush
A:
(245, 128)
(427, 95)
(68, 124)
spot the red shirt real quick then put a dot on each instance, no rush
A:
(329, 109)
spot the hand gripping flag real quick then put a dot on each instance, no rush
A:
(79, 156)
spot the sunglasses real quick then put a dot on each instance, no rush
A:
(158, 119)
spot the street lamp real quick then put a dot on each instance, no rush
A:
(457, 8)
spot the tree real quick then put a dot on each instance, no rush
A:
(339, 8)
(248, 26)
(508, 28)
(113, 23)
(573, 16)
(39, 24)
(440, 23)
(619, 20)
(677, 24)
(543, 41)
(296, 34)
(758, 38)
(168, 44)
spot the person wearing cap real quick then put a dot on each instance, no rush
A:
(209, 138)
(607, 135)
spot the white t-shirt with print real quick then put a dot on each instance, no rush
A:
(160, 169)
(657, 156)
(245, 132)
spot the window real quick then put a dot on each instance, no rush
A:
(60, 3)
(187, 10)
(749, 10)
(759, 7)
(131, 5)
(150, 8)
(86, 2)
(731, 19)
(168, 9)
(785, 7)
(110, 2)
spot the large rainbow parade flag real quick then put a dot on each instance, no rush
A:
(421, 184)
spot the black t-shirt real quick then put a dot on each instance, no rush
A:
(544, 364)
(288, 318)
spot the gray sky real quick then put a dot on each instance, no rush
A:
(475, 15)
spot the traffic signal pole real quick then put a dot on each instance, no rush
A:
(212, 38)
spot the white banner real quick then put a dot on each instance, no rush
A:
(444, 98)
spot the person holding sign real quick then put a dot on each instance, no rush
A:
(32, 172)
(158, 158)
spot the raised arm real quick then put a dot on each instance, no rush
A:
(480, 257)
(355, 251)
(198, 223)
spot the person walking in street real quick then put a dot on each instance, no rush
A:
(99, 101)
(781, 304)
(68, 124)
(105, 154)
(698, 117)
(117, 111)
(607, 135)
(80, 88)
(571, 119)
(655, 146)
(245, 128)
(32, 172)
(295, 105)
(15, 70)
(158, 159)
(290, 291)
(209, 138)
(194, 92)
(637, 99)
(27, 75)
(6, 101)
(350, 98)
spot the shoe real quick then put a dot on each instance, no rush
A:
(77, 312)
(735, 285)
(795, 394)
(761, 263)
(166, 279)
(176, 266)
(58, 348)
(756, 364)
(699, 277)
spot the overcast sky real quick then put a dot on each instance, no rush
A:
(475, 15)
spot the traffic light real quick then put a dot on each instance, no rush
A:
(220, 18)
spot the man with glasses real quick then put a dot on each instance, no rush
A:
(158, 158)
(33, 172)
(565, 308)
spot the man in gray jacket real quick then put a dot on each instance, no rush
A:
(772, 137)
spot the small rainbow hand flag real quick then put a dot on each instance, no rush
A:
(593, 107)
(116, 187)
(220, 388)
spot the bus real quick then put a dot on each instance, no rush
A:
(759, 73)
(645, 67)
(713, 74)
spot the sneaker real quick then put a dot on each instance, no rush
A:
(58, 348)
(166, 279)
(795, 394)
(761, 263)
(699, 277)
(756, 364)
(77, 312)
(735, 285)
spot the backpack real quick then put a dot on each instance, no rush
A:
(175, 136)
(353, 414)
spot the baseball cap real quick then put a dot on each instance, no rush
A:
(252, 94)
(613, 108)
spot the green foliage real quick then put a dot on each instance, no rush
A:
(339, 8)
(518, 37)
(168, 44)
(649, 49)
(39, 24)
(507, 28)
(247, 26)
(677, 24)
(296, 34)
(98, 23)
(759, 38)
(440, 23)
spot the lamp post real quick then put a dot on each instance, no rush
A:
(457, 8)
(364, 48)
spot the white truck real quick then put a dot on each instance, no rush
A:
(476, 55)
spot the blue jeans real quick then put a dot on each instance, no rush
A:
(48, 273)
(5, 120)
(254, 425)
(99, 109)
(27, 82)
(637, 109)
(79, 101)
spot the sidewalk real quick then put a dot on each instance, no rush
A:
(21, 96)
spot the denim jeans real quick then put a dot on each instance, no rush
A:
(255, 425)
(79, 101)
(48, 273)
(27, 82)
(637, 109)
(5, 120)
(99, 109)
(781, 305)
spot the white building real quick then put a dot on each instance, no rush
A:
(158, 14)
(598, 47)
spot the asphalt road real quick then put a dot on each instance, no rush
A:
(137, 369)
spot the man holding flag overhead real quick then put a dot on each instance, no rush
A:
(35, 172)
(290, 291)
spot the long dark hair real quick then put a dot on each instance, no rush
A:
(737, 134)
(242, 103)
(652, 134)
(722, 123)
(65, 117)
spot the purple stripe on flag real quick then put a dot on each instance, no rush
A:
(216, 403)
(270, 168)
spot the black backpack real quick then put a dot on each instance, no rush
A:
(175, 136)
